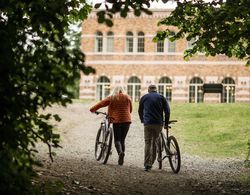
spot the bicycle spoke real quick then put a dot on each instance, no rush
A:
(174, 157)
(103, 142)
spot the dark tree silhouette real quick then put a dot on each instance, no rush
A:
(37, 65)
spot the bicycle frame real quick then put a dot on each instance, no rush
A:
(165, 137)
(165, 144)
(104, 139)
(106, 120)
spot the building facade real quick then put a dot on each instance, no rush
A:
(126, 55)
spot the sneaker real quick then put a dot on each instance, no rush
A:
(121, 158)
(147, 168)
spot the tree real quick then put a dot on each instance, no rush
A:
(37, 65)
(217, 26)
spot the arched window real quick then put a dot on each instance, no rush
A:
(103, 87)
(228, 93)
(196, 90)
(99, 42)
(160, 46)
(165, 88)
(110, 42)
(134, 88)
(140, 43)
(171, 45)
(129, 42)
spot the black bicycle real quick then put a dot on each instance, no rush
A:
(168, 147)
(103, 143)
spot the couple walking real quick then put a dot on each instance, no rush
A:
(153, 110)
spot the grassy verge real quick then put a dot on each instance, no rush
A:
(216, 130)
(213, 130)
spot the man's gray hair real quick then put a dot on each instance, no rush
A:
(152, 88)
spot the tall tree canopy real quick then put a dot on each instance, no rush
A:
(37, 65)
(216, 26)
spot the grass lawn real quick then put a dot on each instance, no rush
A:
(214, 130)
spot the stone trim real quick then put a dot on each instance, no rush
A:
(107, 62)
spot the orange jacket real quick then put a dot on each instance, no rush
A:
(118, 108)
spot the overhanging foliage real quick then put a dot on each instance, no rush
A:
(36, 66)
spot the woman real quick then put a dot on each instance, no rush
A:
(119, 108)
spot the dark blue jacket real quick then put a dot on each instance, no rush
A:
(151, 108)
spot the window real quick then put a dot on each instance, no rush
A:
(129, 42)
(99, 42)
(110, 42)
(103, 87)
(140, 43)
(134, 88)
(160, 46)
(165, 88)
(171, 45)
(196, 90)
(228, 92)
(190, 43)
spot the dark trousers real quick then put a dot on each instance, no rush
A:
(120, 133)
(151, 136)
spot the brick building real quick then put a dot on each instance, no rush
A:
(126, 55)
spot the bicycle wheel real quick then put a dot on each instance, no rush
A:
(107, 145)
(159, 151)
(99, 143)
(175, 156)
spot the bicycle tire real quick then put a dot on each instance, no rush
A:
(107, 146)
(159, 152)
(99, 144)
(175, 156)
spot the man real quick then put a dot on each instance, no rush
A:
(151, 109)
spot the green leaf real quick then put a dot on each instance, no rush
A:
(57, 117)
(97, 5)
(137, 12)
(123, 13)
(109, 22)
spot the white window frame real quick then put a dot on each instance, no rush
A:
(99, 42)
(102, 87)
(110, 42)
(198, 89)
(140, 42)
(129, 37)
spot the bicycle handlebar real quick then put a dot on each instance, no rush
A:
(104, 113)
(172, 121)
(98, 112)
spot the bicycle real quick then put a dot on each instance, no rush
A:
(170, 145)
(103, 143)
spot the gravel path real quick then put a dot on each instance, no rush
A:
(75, 166)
